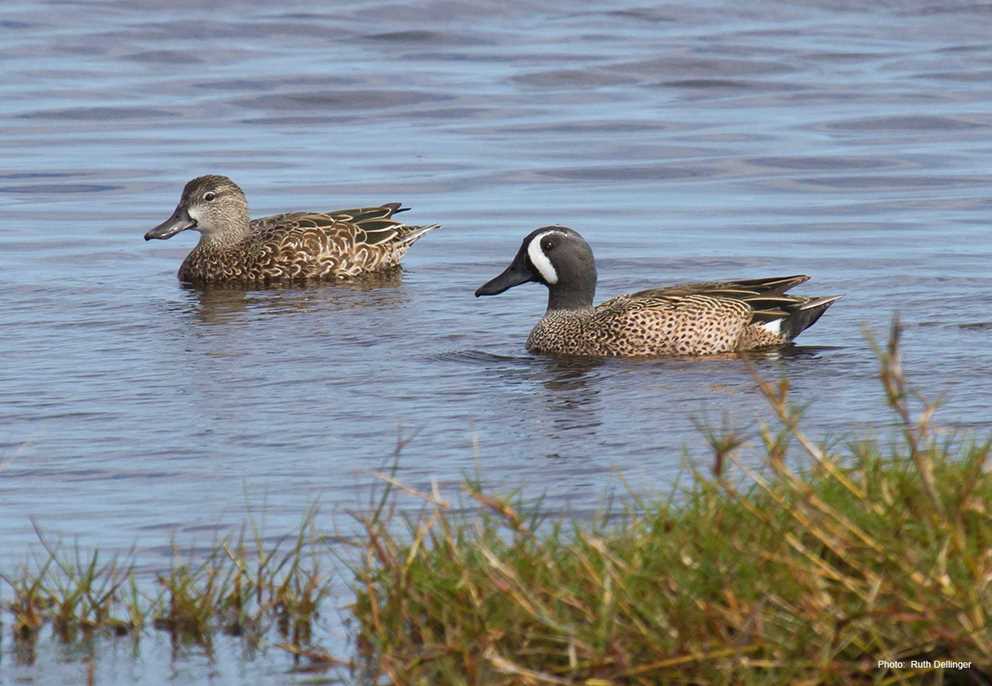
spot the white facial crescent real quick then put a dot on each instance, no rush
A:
(540, 260)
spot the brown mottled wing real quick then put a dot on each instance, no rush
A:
(362, 215)
(765, 297)
(379, 212)
(341, 243)
(706, 318)
(387, 239)
(775, 285)
(377, 222)
(681, 304)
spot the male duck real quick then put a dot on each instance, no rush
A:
(690, 319)
(294, 246)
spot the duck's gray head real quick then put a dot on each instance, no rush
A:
(212, 205)
(559, 258)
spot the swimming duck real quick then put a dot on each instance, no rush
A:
(294, 246)
(689, 319)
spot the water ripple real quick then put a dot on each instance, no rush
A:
(687, 142)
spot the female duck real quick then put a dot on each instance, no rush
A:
(294, 246)
(691, 319)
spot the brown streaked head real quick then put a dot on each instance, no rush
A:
(210, 204)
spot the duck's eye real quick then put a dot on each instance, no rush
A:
(209, 196)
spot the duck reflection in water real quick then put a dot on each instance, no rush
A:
(212, 305)
(572, 402)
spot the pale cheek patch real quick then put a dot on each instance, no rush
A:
(194, 214)
(541, 261)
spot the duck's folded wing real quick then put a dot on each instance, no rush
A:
(663, 301)
(360, 215)
(773, 285)
(765, 297)
(757, 301)
(376, 226)
(365, 225)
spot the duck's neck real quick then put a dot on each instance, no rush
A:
(571, 296)
(231, 236)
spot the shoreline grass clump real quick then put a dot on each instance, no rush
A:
(251, 588)
(78, 595)
(864, 565)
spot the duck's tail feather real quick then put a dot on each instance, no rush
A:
(806, 314)
(395, 208)
(410, 234)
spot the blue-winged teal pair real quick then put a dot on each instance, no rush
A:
(689, 319)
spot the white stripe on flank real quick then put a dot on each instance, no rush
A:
(774, 326)
(540, 260)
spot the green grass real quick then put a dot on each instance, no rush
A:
(246, 586)
(799, 576)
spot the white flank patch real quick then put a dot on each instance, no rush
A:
(540, 260)
(774, 326)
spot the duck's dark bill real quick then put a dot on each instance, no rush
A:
(513, 276)
(179, 221)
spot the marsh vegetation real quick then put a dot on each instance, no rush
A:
(811, 564)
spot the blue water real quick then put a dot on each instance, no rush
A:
(686, 142)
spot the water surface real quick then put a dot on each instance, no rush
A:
(694, 142)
